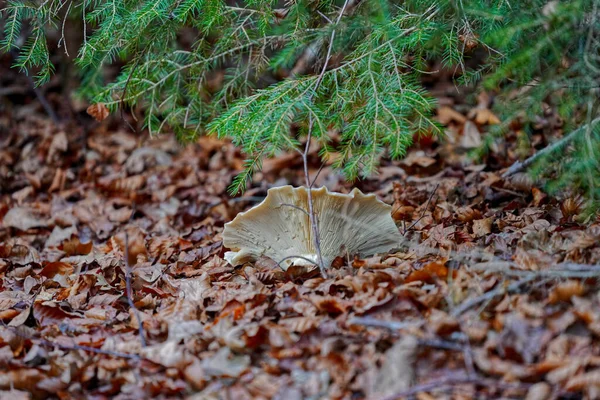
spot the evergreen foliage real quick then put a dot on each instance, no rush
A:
(538, 54)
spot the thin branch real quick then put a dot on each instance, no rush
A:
(563, 270)
(311, 211)
(48, 343)
(317, 175)
(378, 323)
(454, 380)
(423, 212)
(40, 96)
(130, 293)
(43, 101)
(522, 165)
(90, 350)
(475, 301)
(293, 206)
(301, 257)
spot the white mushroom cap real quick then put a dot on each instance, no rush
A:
(279, 228)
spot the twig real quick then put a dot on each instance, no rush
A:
(563, 270)
(378, 323)
(423, 212)
(311, 211)
(521, 165)
(130, 293)
(475, 301)
(91, 350)
(317, 175)
(301, 257)
(48, 343)
(453, 380)
(293, 206)
(40, 96)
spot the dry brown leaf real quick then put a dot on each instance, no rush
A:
(584, 381)
(539, 391)
(482, 227)
(565, 290)
(418, 158)
(24, 218)
(429, 273)
(471, 137)
(99, 111)
(397, 372)
(226, 364)
(446, 114)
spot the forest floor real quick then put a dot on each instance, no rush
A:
(495, 294)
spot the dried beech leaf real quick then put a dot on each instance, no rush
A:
(397, 372)
(99, 111)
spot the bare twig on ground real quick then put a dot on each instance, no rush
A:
(451, 380)
(73, 347)
(423, 212)
(300, 257)
(475, 301)
(130, 293)
(117, 354)
(562, 270)
(378, 323)
(522, 165)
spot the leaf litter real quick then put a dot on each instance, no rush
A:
(493, 295)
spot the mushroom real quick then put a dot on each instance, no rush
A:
(279, 227)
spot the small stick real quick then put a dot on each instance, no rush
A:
(48, 343)
(40, 96)
(317, 175)
(423, 212)
(378, 323)
(563, 270)
(311, 211)
(453, 380)
(91, 350)
(293, 206)
(130, 292)
(473, 302)
(521, 165)
(301, 257)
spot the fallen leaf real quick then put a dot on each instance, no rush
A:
(397, 372)
(99, 111)
(482, 227)
(23, 218)
(226, 364)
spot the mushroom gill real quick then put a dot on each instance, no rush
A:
(279, 227)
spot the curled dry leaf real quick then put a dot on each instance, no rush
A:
(99, 111)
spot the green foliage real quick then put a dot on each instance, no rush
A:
(249, 72)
